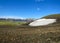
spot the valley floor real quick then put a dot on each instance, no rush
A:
(43, 34)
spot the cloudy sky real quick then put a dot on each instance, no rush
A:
(28, 8)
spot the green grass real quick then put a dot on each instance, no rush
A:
(45, 34)
(11, 23)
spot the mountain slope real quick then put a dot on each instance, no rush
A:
(52, 16)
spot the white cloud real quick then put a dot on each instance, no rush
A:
(13, 17)
(38, 9)
(39, 0)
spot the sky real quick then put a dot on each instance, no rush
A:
(28, 8)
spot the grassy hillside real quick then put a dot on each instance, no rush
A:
(52, 16)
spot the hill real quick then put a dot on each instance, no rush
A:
(52, 16)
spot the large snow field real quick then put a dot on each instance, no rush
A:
(42, 22)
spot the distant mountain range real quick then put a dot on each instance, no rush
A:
(17, 20)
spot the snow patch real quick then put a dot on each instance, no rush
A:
(42, 22)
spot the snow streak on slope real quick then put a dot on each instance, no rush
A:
(42, 22)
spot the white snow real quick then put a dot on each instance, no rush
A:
(42, 22)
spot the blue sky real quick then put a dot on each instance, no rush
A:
(28, 8)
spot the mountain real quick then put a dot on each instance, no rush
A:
(16, 20)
